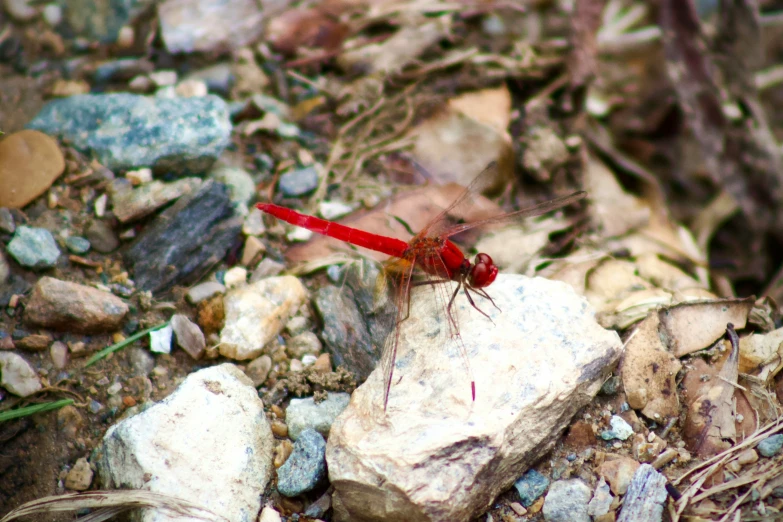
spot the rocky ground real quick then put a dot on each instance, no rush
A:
(165, 345)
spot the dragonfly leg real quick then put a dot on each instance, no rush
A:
(473, 304)
(483, 293)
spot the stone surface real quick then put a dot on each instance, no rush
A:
(34, 247)
(241, 187)
(206, 26)
(269, 514)
(130, 204)
(77, 244)
(304, 414)
(189, 336)
(58, 351)
(306, 466)
(542, 360)
(34, 342)
(30, 161)
(101, 236)
(101, 20)
(128, 131)
(80, 476)
(645, 498)
(257, 313)
(17, 376)
(306, 343)
(567, 501)
(185, 240)
(770, 446)
(73, 307)
(5, 269)
(530, 487)
(209, 443)
(160, 339)
(258, 370)
(21, 10)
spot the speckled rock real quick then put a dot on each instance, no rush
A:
(306, 466)
(34, 247)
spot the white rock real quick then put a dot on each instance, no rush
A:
(302, 414)
(437, 455)
(566, 501)
(332, 210)
(160, 340)
(208, 443)
(17, 376)
(269, 514)
(601, 501)
(257, 313)
(236, 276)
(204, 291)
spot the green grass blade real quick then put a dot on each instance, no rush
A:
(36, 408)
(97, 356)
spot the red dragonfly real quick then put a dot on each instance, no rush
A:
(432, 252)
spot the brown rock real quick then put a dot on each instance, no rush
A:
(73, 307)
(30, 161)
(580, 436)
(35, 342)
(618, 472)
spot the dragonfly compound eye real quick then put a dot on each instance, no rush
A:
(484, 271)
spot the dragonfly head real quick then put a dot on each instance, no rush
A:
(483, 272)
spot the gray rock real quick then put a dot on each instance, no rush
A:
(34, 247)
(306, 466)
(567, 501)
(17, 376)
(141, 361)
(5, 269)
(645, 498)
(304, 414)
(298, 182)
(101, 236)
(21, 10)
(530, 487)
(169, 448)
(127, 131)
(601, 501)
(219, 77)
(101, 20)
(770, 446)
(77, 244)
(189, 336)
(185, 239)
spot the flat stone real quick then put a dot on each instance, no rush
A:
(7, 221)
(131, 204)
(538, 362)
(128, 131)
(304, 414)
(59, 354)
(21, 10)
(306, 466)
(241, 187)
(306, 343)
(530, 487)
(160, 339)
(170, 448)
(601, 501)
(645, 498)
(34, 342)
(17, 376)
(30, 161)
(257, 313)
(620, 429)
(73, 307)
(567, 501)
(5, 269)
(258, 370)
(189, 336)
(618, 472)
(34, 247)
(185, 240)
(204, 26)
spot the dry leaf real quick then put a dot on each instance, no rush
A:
(648, 372)
(612, 208)
(689, 327)
(761, 354)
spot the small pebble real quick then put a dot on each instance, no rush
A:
(53, 14)
(309, 360)
(279, 428)
(530, 487)
(34, 247)
(234, 277)
(266, 268)
(58, 351)
(770, 446)
(191, 88)
(306, 466)
(77, 244)
(302, 414)
(253, 225)
(17, 376)
(749, 456)
(296, 366)
(35, 342)
(7, 223)
(95, 406)
(258, 370)
(160, 340)
(189, 336)
(269, 514)
(323, 364)
(282, 452)
(567, 501)
(298, 182)
(306, 343)
(332, 210)
(620, 429)
(204, 291)
(80, 476)
(253, 250)
(139, 176)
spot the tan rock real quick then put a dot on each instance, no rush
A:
(30, 161)
(618, 472)
(73, 307)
